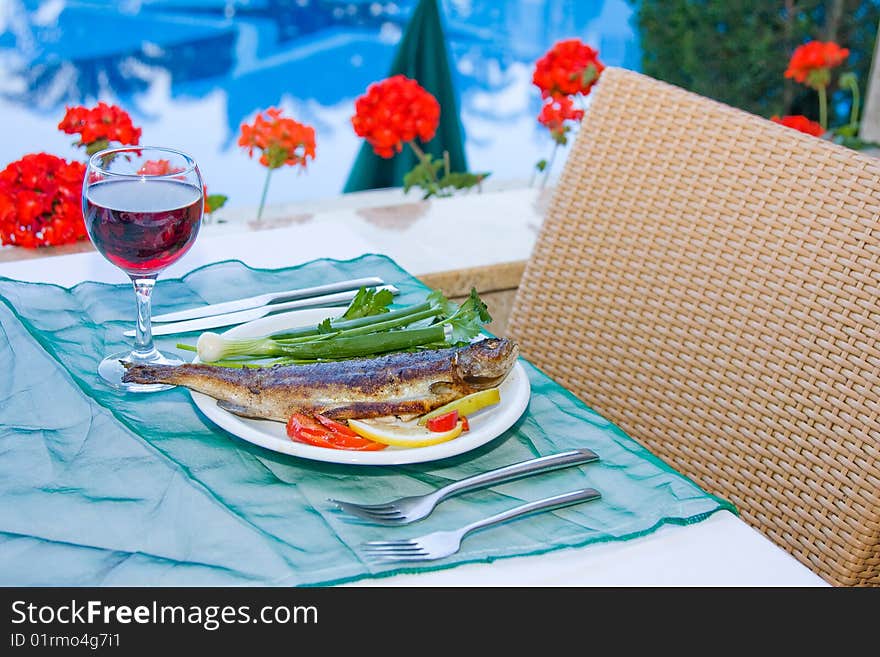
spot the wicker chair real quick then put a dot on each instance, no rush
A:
(709, 280)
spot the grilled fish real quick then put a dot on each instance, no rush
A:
(402, 384)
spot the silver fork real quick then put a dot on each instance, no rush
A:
(444, 543)
(409, 509)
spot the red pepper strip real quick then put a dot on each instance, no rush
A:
(445, 422)
(464, 424)
(336, 427)
(324, 432)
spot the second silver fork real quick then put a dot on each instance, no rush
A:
(438, 545)
(410, 509)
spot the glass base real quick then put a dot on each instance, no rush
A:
(111, 370)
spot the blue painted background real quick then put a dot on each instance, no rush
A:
(191, 71)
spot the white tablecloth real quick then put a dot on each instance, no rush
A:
(720, 551)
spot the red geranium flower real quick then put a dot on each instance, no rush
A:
(40, 201)
(811, 63)
(393, 112)
(99, 126)
(281, 140)
(556, 113)
(801, 123)
(569, 67)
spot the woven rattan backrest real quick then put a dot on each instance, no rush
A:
(709, 280)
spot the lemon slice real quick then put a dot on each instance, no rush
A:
(402, 434)
(466, 405)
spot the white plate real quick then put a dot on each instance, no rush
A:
(484, 425)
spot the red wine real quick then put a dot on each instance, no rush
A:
(143, 226)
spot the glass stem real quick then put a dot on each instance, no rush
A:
(143, 336)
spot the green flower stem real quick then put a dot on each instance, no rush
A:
(424, 160)
(549, 165)
(823, 107)
(855, 109)
(265, 189)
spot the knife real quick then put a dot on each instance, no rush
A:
(266, 299)
(242, 316)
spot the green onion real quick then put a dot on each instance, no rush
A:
(213, 347)
(343, 325)
(363, 337)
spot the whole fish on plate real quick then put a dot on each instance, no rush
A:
(401, 384)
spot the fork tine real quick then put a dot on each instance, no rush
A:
(393, 548)
(381, 556)
(402, 542)
(385, 521)
(388, 520)
(377, 508)
(358, 510)
(365, 507)
(368, 514)
(395, 552)
(383, 514)
(401, 559)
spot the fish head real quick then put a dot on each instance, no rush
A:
(484, 364)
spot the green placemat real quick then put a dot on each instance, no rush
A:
(100, 487)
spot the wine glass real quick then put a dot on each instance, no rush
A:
(143, 208)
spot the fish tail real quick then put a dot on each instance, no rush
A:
(149, 373)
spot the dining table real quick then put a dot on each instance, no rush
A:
(709, 546)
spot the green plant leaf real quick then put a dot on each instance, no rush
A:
(216, 201)
(426, 176)
(560, 137)
(847, 130)
(368, 302)
(854, 142)
(95, 146)
(438, 300)
(462, 180)
(467, 322)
